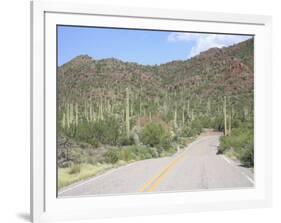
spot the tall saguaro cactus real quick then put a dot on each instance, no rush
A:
(224, 115)
(188, 108)
(100, 106)
(76, 114)
(229, 124)
(183, 117)
(63, 120)
(127, 113)
(175, 118)
(67, 116)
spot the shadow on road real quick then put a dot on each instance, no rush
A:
(24, 216)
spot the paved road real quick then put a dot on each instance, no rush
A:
(196, 167)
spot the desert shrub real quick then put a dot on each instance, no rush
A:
(65, 164)
(106, 131)
(192, 129)
(91, 160)
(111, 156)
(224, 144)
(126, 155)
(246, 155)
(154, 152)
(171, 150)
(155, 135)
(189, 131)
(218, 123)
(83, 132)
(241, 141)
(196, 124)
(68, 156)
(76, 168)
(206, 122)
(125, 141)
(92, 141)
(143, 152)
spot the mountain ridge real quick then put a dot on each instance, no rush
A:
(212, 50)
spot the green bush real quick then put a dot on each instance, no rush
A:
(155, 135)
(192, 129)
(106, 131)
(218, 123)
(206, 122)
(241, 141)
(154, 152)
(125, 141)
(85, 133)
(246, 155)
(128, 153)
(144, 152)
(112, 156)
(138, 152)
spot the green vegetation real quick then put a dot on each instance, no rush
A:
(239, 144)
(114, 157)
(112, 112)
(155, 135)
(66, 176)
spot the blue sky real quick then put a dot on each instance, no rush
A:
(140, 46)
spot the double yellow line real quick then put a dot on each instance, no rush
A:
(153, 182)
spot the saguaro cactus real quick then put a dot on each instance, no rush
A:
(127, 113)
(131, 108)
(101, 110)
(188, 108)
(91, 112)
(224, 115)
(175, 118)
(67, 116)
(76, 114)
(229, 124)
(63, 120)
(183, 117)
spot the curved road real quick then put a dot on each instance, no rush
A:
(196, 167)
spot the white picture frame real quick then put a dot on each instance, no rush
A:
(44, 203)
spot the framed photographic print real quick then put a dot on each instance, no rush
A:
(145, 111)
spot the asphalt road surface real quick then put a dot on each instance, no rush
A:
(197, 167)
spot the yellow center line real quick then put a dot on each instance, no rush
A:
(153, 182)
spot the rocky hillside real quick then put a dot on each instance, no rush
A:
(208, 76)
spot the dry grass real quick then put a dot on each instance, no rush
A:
(67, 176)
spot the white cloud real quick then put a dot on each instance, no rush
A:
(202, 42)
